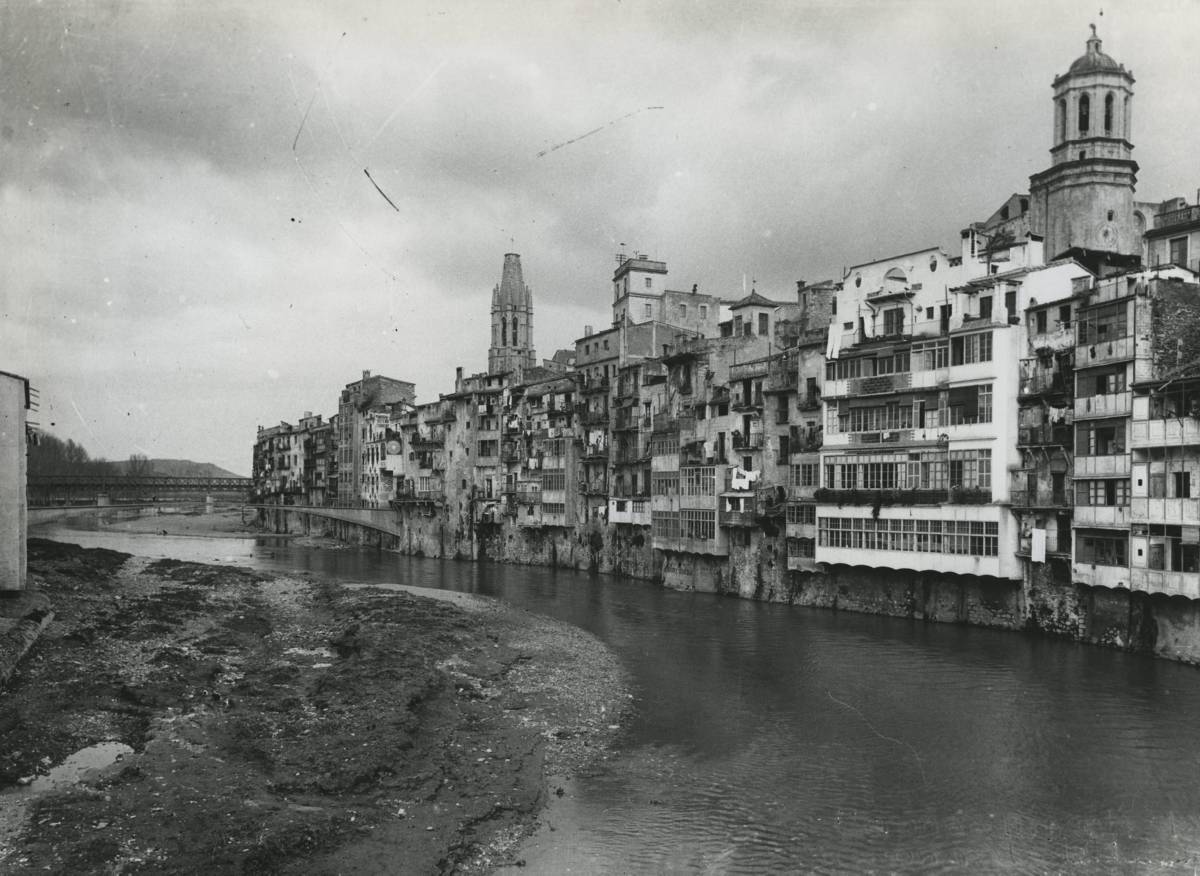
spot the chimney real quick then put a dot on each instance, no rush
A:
(587, 331)
(458, 384)
(366, 374)
(307, 414)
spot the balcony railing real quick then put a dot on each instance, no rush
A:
(1039, 499)
(1058, 434)
(955, 496)
(1177, 217)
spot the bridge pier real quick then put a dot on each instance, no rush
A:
(102, 500)
(210, 504)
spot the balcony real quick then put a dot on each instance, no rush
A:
(805, 439)
(747, 370)
(1095, 575)
(882, 384)
(1169, 583)
(1039, 381)
(686, 545)
(1163, 510)
(513, 451)
(1027, 500)
(953, 496)
(809, 402)
(596, 450)
(1046, 435)
(1115, 466)
(1102, 516)
(753, 403)
(1100, 352)
(1117, 404)
(753, 441)
(1173, 432)
(1172, 218)
(594, 487)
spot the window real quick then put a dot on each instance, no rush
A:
(893, 321)
(1179, 251)
(606, 343)
(747, 328)
(1183, 485)
(1102, 324)
(683, 311)
(1109, 492)
(649, 310)
(698, 524)
(704, 311)
(1041, 319)
(1108, 113)
(649, 282)
(985, 307)
(1102, 550)
(763, 324)
(802, 514)
(698, 481)
(1064, 316)
(966, 537)
(1085, 106)
(967, 349)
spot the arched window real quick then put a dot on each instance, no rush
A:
(503, 332)
(1085, 106)
(516, 343)
(1060, 121)
(1108, 113)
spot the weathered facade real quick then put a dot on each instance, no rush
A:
(997, 436)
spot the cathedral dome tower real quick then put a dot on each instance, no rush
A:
(1085, 198)
(512, 320)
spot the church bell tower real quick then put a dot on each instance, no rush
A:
(512, 321)
(1085, 198)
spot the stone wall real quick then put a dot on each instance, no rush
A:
(1046, 602)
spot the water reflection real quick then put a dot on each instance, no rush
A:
(769, 738)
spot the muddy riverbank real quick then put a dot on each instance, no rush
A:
(285, 724)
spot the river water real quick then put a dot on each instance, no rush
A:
(768, 739)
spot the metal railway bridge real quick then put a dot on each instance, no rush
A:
(59, 489)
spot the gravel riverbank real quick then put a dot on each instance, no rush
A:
(287, 725)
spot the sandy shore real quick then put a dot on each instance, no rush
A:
(282, 724)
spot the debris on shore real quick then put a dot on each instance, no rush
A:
(286, 724)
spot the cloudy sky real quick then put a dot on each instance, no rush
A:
(190, 245)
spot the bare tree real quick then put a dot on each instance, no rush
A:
(139, 465)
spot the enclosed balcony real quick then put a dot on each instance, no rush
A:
(1116, 404)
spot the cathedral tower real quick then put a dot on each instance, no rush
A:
(512, 320)
(1085, 198)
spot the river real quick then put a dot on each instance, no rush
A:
(768, 739)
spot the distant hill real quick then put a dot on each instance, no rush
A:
(179, 468)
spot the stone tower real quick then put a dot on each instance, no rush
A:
(1085, 198)
(512, 321)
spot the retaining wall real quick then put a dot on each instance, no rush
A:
(1045, 602)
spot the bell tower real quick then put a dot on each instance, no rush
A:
(1085, 198)
(512, 320)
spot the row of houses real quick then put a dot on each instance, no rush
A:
(1026, 408)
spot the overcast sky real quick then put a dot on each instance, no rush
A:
(189, 245)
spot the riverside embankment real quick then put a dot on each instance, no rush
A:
(285, 722)
(1047, 602)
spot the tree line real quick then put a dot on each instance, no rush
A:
(49, 455)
